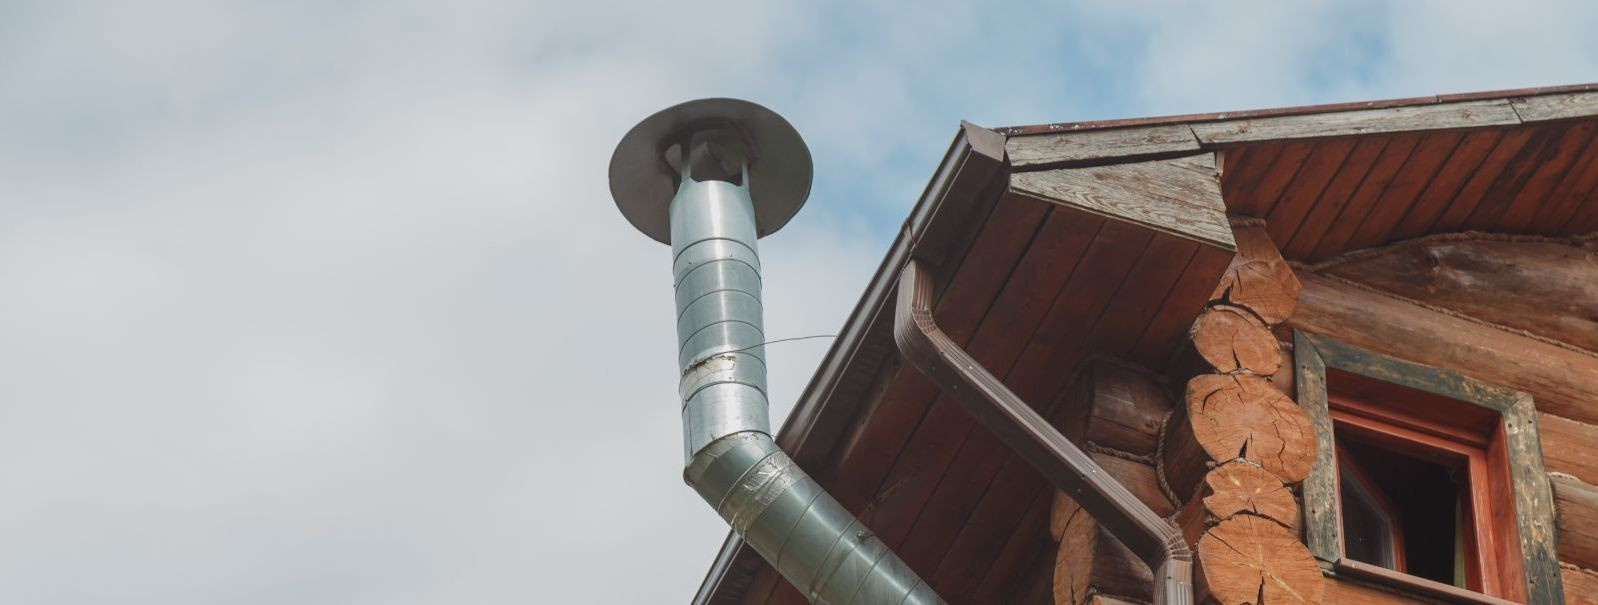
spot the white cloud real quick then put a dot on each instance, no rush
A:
(329, 304)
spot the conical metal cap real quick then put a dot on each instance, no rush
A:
(643, 184)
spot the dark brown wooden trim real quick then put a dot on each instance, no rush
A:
(1533, 496)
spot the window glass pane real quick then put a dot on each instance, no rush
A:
(1400, 511)
(1367, 531)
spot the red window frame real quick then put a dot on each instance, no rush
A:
(1417, 425)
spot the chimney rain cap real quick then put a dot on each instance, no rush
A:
(643, 184)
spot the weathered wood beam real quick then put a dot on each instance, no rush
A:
(1576, 504)
(1562, 381)
(1442, 116)
(1086, 145)
(1545, 286)
(1581, 586)
(1139, 478)
(1181, 196)
(1115, 405)
(1115, 410)
(1569, 446)
(1556, 107)
(1091, 560)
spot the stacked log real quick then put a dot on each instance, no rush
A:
(1115, 411)
(1234, 447)
(1091, 562)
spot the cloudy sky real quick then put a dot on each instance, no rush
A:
(327, 302)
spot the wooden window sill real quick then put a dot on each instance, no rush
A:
(1418, 585)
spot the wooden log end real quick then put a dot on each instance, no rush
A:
(1232, 340)
(1253, 560)
(1268, 289)
(1060, 514)
(1091, 561)
(1245, 417)
(1234, 488)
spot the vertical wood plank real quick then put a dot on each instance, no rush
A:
(1014, 565)
(1545, 178)
(871, 449)
(1324, 162)
(1241, 169)
(1160, 340)
(946, 426)
(1578, 186)
(1475, 188)
(1509, 183)
(1393, 156)
(1268, 190)
(1429, 156)
(1470, 154)
(1336, 196)
(1017, 501)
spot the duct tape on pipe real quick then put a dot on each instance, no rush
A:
(701, 370)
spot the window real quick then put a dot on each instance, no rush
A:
(1426, 480)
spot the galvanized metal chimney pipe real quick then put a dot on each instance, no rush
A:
(734, 171)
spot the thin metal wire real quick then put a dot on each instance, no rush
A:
(772, 342)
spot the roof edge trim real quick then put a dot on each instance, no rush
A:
(1061, 127)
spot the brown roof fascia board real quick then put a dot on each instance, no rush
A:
(974, 170)
(1298, 110)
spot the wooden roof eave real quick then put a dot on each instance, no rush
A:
(1113, 141)
(973, 171)
(982, 165)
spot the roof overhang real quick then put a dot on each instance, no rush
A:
(1326, 179)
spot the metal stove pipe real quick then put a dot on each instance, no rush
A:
(731, 459)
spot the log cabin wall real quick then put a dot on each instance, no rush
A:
(1525, 321)
(1112, 405)
(1223, 460)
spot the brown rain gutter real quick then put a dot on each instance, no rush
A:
(960, 376)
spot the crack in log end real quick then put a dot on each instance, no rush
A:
(1246, 560)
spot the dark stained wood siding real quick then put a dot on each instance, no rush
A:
(1324, 197)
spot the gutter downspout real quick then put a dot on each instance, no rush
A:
(1150, 537)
